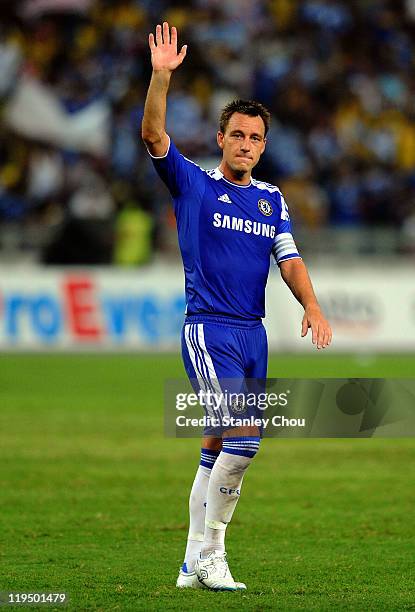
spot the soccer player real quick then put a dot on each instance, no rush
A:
(228, 225)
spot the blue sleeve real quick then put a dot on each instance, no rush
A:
(176, 171)
(284, 246)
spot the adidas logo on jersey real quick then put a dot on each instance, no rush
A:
(225, 198)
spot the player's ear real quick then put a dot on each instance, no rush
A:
(219, 139)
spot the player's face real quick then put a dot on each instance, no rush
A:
(243, 142)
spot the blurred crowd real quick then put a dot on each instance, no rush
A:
(338, 77)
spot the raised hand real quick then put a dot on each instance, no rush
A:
(164, 54)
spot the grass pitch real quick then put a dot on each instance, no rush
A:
(93, 498)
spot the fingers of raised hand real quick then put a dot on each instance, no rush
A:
(163, 34)
(166, 33)
(159, 37)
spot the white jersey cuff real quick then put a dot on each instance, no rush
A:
(160, 156)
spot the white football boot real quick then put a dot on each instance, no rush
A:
(188, 580)
(214, 573)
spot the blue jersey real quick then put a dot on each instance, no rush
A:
(227, 234)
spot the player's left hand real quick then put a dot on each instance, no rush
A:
(321, 333)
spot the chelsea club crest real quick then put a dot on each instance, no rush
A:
(265, 207)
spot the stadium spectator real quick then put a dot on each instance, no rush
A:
(338, 78)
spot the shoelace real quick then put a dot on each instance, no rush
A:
(218, 562)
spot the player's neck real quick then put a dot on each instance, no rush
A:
(239, 178)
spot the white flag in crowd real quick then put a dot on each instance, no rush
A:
(34, 111)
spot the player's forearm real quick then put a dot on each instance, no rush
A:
(153, 128)
(295, 275)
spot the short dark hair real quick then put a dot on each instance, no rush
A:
(245, 107)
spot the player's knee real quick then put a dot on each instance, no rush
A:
(212, 444)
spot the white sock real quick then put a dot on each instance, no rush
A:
(223, 493)
(197, 509)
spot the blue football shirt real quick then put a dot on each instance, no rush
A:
(227, 234)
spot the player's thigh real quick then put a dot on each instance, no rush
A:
(211, 351)
(258, 354)
(212, 359)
